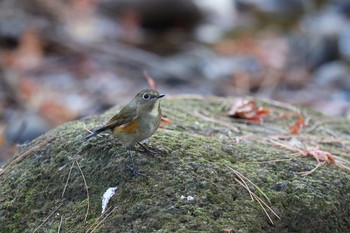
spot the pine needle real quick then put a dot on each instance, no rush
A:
(241, 181)
(239, 174)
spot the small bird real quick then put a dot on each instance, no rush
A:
(136, 122)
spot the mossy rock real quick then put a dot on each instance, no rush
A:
(188, 186)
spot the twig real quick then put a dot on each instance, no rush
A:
(28, 152)
(98, 219)
(47, 218)
(95, 228)
(70, 171)
(59, 227)
(87, 190)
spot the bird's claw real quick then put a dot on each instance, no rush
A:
(148, 150)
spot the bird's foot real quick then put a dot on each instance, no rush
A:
(134, 170)
(148, 150)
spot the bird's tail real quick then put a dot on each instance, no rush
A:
(96, 132)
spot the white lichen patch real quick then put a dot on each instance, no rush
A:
(188, 198)
(106, 196)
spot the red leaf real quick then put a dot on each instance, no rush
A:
(297, 125)
(166, 121)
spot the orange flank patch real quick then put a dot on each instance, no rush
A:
(127, 128)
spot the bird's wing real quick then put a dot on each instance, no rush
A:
(124, 117)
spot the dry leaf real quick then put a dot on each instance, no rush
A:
(320, 155)
(166, 121)
(297, 125)
(248, 109)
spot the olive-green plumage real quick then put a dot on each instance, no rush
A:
(137, 121)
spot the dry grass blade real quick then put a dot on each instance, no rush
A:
(286, 146)
(311, 171)
(87, 190)
(28, 152)
(98, 219)
(70, 171)
(36, 229)
(342, 162)
(239, 174)
(95, 228)
(59, 227)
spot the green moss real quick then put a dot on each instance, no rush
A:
(191, 162)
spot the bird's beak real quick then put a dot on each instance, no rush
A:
(160, 96)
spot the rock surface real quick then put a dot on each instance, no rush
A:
(188, 186)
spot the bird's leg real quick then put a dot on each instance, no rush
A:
(148, 150)
(134, 170)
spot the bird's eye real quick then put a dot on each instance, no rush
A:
(146, 96)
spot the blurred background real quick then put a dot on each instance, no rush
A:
(62, 60)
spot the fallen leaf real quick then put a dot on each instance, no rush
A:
(320, 155)
(166, 121)
(297, 125)
(248, 109)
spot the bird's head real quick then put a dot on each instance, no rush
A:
(147, 100)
